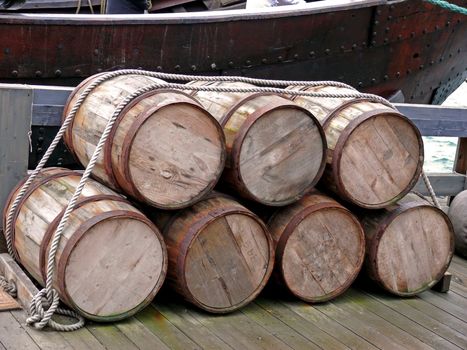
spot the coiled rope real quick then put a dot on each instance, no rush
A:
(45, 304)
(448, 6)
(9, 287)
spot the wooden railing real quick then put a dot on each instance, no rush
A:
(23, 105)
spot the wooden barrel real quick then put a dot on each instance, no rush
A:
(276, 149)
(320, 247)
(220, 254)
(376, 154)
(408, 246)
(111, 260)
(164, 148)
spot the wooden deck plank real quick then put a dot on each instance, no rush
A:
(301, 325)
(44, 339)
(110, 336)
(327, 324)
(239, 331)
(358, 303)
(178, 315)
(284, 332)
(435, 312)
(455, 336)
(156, 323)
(460, 264)
(458, 286)
(458, 292)
(458, 267)
(352, 313)
(399, 320)
(81, 339)
(140, 335)
(13, 335)
(454, 309)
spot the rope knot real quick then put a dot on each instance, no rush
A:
(42, 309)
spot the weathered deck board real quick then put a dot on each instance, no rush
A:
(239, 331)
(13, 335)
(458, 311)
(363, 318)
(353, 313)
(45, 340)
(178, 315)
(435, 312)
(260, 314)
(135, 331)
(327, 324)
(111, 337)
(155, 322)
(455, 336)
(301, 325)
(397, 319)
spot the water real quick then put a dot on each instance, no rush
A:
(441, 151)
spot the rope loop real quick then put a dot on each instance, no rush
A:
(41, 311)
(8, 286)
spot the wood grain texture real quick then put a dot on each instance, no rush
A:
(220, 254)
(111, 260)
(320, 247)
(409, 245)
(164, 149)
(15, 123)
(376, 154)
(266, 136)
(7, 302)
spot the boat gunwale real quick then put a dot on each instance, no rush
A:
(192, 17)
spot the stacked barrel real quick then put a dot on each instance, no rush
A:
(375, 158)
(169, 149)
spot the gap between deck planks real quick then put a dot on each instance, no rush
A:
(363, 318)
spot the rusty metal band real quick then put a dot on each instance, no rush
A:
(232, 109)
(68, 135)
(44, 246)
(344, 136)
(346, 104)
(79, 234)
(34, 186)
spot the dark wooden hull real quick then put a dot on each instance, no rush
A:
(410, 46)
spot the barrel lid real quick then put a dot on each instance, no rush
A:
(279, 153)
(173, 155)
(225, 260)
(378, 157)
(412, 249)
(112, 265)
(321, 251)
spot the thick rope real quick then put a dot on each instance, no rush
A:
(103, 7)
(449, 6)
(427, 182)
(45, 303)
(8, 287)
